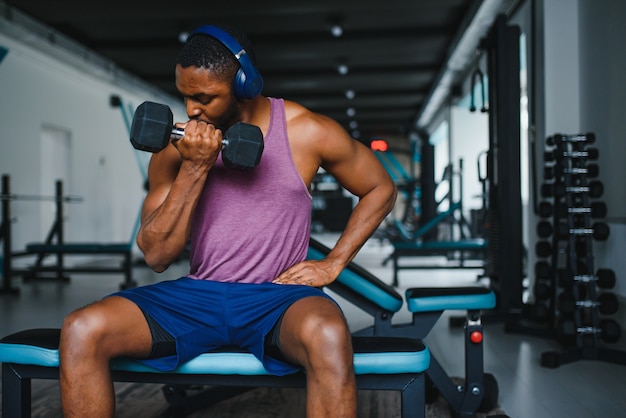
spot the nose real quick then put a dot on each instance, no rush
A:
(193, 109)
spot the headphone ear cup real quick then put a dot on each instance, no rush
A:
(245, 87)
(239, 85)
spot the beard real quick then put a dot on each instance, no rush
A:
(230, 116)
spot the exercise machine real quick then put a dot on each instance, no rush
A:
(56, 246)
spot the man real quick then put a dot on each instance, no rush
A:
(249, 283)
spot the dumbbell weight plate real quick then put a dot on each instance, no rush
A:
(243, 146)
(605, 278)
(610, 331)
(608, 303)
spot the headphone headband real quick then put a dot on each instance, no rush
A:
(248, 82)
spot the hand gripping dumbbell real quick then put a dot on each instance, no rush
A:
(153, 128)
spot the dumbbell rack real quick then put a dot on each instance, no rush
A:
(568, 294)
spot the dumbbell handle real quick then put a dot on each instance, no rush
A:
(178, 133)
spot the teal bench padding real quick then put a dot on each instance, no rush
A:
(79, 248)
(373, 355)
(361, 282)
(461, 245)
(440, 299)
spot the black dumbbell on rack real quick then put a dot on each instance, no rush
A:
(557, 139)
(558, 154)
(590, 170)
(604, 278)
(542, 289)
(599, 231)
(543, 270)
(596, 209)
(544, 229)
(606, 303)
(595, 189)
(608, 329)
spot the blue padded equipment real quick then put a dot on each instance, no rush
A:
(437, 298)
(479, 393)
(380, 363)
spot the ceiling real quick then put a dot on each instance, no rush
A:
(395, 51)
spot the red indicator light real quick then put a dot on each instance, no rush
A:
(379, 145)
(476, 337)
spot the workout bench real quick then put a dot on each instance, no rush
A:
(426, 248)
(54, 245)
(413, 245)
(355, 284)
(380, 364)
(387, 356)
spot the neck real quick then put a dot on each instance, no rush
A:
(256, 112)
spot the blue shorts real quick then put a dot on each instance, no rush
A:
(203, 315)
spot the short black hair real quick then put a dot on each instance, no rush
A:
(204, 51)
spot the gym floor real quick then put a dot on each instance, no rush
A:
(581, 389)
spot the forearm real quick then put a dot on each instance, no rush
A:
(165, 230)
(365, 218)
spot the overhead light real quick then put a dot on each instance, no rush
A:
(342, 69)
(356, 134)
(350, 94)
(354, 124)
(182, 37)
(336, 30)
(351, 111)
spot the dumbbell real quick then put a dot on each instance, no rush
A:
(544, 229)
(543, 249)
(606, 303)
(608, 329)
(557, 154)
(590, 170)
(542, 289)
(153, 128)
(604, 278)
(543, 270)
(595, 189)
(595, 209)
(599, 231)
(557, 139)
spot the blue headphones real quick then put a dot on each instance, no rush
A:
(248, 82)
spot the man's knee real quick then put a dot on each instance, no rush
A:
(327, 341)
(82, 328)
(110, 327)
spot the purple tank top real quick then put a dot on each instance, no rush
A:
(249, 226)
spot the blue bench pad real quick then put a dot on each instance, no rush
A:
(463, 245)
(79, 248)
(445, 298)
(373, 355)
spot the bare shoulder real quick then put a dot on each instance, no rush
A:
(319, 134)
(319, 141)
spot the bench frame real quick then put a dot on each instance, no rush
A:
(380, 364)
(355, 284)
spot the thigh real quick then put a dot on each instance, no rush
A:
(115, 324)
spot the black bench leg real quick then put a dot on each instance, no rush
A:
(16, 392)
(413, 399)
(127, 267)
(395, 269)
